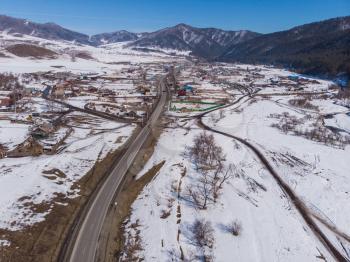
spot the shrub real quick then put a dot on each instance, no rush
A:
(202, 233)
(164, 214)
(234, 227)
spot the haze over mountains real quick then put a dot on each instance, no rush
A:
(321, 48)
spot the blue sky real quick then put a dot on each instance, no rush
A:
(96, 16)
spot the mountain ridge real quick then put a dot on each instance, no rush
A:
(318, 48)
(204, 42)
(52, 31)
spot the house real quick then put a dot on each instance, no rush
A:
(47, 91)
(188, 88)
(6, 93)
(181, 92)
(92, 89)
(68, 93)
(132, 114)
(76, 89)
(59, 91)
(7, 98)
(274, 81)
(144, 89)
(5, 101)
(43, 130)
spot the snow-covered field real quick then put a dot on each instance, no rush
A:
(307, 144)
(38, 180)
(11, 134)
(272, 229)
(319, 172)
(267, 217)
(108, 58)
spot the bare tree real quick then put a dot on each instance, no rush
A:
(200, 193)
(207, 188)
(203, 237)
(205, 152)
(221, 175)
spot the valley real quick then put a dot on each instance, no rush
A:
(182, 144)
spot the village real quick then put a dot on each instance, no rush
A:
(175, 131)
(38, 104)
(277, 136)
(57, 126)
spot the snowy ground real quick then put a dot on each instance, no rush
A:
(272, 228)
(12, 134)
(108, 58)
(37, 180)
(266, 217)
(30, 186)
(162, 215)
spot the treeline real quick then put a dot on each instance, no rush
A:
(320, 49)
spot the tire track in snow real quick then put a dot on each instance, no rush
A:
(299, 205)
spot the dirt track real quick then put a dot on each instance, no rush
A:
(299, 205)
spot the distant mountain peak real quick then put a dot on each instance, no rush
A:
(182, 25)
(201, 41)
(205, 42)
(49, 31)
(113, 37)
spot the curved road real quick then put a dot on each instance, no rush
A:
(83, 244)
(284, 186)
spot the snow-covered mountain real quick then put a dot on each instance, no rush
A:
(114, 37)
(48, 31)
(319, 48)
(204, 42)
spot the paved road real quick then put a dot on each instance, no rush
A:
(83, 247)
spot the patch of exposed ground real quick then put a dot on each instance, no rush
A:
(25, 50)
(84, 55)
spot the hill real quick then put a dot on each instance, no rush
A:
(321, 48)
